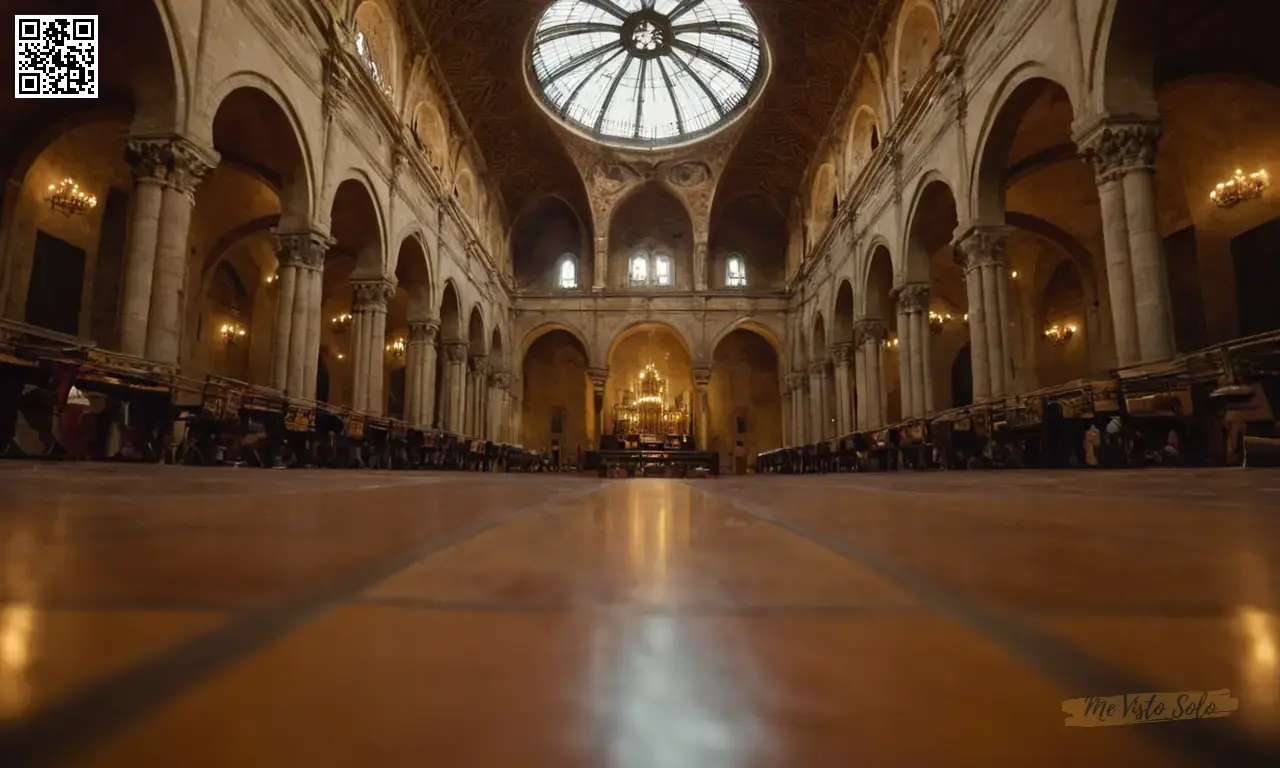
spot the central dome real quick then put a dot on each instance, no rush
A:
(647, 72)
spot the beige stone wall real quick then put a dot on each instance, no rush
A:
(744, 385)
(554, 374)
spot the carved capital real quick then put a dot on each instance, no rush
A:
(598, 377)
(981, 246)
(798, 382)
(371, 294)
(456, 352)
(479, 364)
(818, 368)
(188, 165)
(701, 378)
(1116, 149)
(914, 297)
(500, 380)
(870, 331)
(302, 249)
(170, 160)
(423, 332)
(842, 353)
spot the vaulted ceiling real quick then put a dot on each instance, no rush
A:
(480, 47)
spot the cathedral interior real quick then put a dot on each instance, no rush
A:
(651, 384)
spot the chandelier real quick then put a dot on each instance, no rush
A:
(341, 323)
(1059, 334)
(891, 342)
(396, 348)
(67, 198)
(648, 408)
(938, 320)
(1239, 188)
(231, 333)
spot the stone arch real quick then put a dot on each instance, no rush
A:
(858, 149)
(753, 325)
(878, 283)
(379, 25)
(1019, 90)
(450, 313)
(464, 184)
(301, 200)
(651, 218)
(543, 232)
(818, 339)
(1121, 74)
(822, 201)
(640, 326)
(842, 314)
(916, 39)
(477, 340)
(413, 274)
(356, 213)
(542, 329)
(497, 350)
(432, 134)
(930, 225)
(744, 396)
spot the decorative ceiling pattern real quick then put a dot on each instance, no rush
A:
(480, 46)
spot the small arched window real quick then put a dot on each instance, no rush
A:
(372, 45)
(736, 271)
(639, 268)
(662, 270)
(567, 272)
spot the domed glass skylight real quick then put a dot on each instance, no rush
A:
(647, 72)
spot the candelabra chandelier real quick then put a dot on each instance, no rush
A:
(67, 198)
(1059, 334)
(396, 348)
(891, 342)
(647, 408)
(938, 320)
(341, 323)
(1239, 188)
(231, 333)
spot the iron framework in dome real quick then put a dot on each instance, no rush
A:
(647, 72)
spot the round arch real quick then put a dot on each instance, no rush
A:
(928, 201)
(659, 184)
(842, 313)
(818, 338)
(754, 326)
(378, 24)
(822, 200)
(542, 329)
(450, 313)
(477, 339)
(917, 14)
(640, 326)
(412, 268)
(857, 151)
(361, 178)
(877, 282)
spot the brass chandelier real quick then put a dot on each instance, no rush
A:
(68, 199)
(1240, 188)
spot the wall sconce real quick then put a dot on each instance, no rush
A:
(1059, 334)
(341, 323)
(1239, 188)
(231, 333)
(396, 348)
(68, 199)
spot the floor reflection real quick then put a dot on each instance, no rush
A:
(17, 632)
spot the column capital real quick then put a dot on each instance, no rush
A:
(818, 368)
(479, 364)
(598, 377)
(1119, 147)
(500, 379)
(423, 331)
(842, 353)
(301, 249)
(701, 378)
(172, 160)
(372, 294)
(798, 381)
(914, 297)
(456, 351)
(980, 246)
(870, 330)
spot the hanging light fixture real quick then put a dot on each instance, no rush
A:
(1240, 188)
(396, 348)
(938, 321)
(341, 323)
(68, 199)
(231, 333)
(1059, 334)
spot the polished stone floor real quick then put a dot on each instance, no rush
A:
(159, 616)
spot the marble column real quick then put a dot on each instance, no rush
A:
(702, 407)
(420, 372)
(477, 389)
(598, 377)
(301, 259)
(799, 411)
(819, 420)
(842, 354)
(860, 385)
(915, 298)
(873, 334)
(980, 253)
(188, 164)
(453, 395)
(1123, 156)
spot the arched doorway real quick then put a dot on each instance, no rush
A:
(745, 400)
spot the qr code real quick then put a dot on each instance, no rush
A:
(57, 57)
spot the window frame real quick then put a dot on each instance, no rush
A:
(731, 280)
(644, 257)
(657, 279)
(572, 261)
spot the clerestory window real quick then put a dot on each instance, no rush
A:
(736, 272)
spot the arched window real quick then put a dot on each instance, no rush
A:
(640, 268)
(371, 45)
(567, 272)
(662, 270)
(736, 271)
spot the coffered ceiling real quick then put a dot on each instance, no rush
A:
(480, 48)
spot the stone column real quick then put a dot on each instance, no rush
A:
(188, 164)
(499, 380)
(916, 298)
(702, 407)
(314, 320)
(978, 252)
(799, 417)
(301, 258)
(477, 391)
(598, 377)
(149, 159)
(786, 413)
(873, 334)
(860, 386)
(369, 331)
(1123, 156)
(905, 371)
(818, 401)
(600, 268)
(420, 370)
(842, 354)
(700, 264)
(453, 386)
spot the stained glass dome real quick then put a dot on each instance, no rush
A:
(647, 72)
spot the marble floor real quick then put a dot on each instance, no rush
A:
(162, 616)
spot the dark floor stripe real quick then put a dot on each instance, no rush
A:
(73, 725)
(1209, 743)
(673, 610)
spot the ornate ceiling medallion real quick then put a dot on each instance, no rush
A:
(647, 73)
